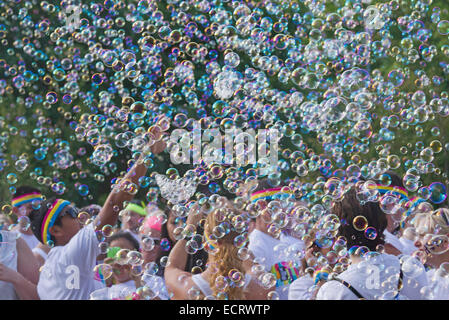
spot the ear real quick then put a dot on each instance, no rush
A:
(15, 210)
(56, 231)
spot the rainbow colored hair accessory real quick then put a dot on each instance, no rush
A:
(395, 190)
(209, 242)
(270, 194)
(25, 198)
(285, 273)
(50, 218)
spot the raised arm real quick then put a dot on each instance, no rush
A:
(119, 194)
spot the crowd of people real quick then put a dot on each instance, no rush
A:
(371, 242)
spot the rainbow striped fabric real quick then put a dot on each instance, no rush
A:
(271, 194)
(50, 218)
(285, 273)
(401, 192)
(25, 198)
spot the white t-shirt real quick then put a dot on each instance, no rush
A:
(439, 285)
(120, 291)
(377, 279)
(157, 285)
(275, 253)
(301, 288)
(8, 257)
(204, 285)
(68, 271)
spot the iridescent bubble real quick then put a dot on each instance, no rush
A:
(370, 233)
(23, 223)
(360, 223)
(438, 192)
(83, 190)
(443, 27)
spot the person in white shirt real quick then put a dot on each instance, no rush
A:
(224, 261)
(19, 271)
(432, 230)
(270, 249)
(22, 204)
(68, 271)
(371, 274)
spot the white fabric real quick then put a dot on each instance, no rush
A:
(393, 240)
(119, 291)
(408, 246)
(30, 239)
(301, 289)
(8, 257)
(204, 286)
(157, 285)
(369, 278)
(68, 271)
(270, 251)
(439, 285)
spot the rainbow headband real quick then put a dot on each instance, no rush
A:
(270, 194)
(29, 197)
(50, 218)
(395, 190)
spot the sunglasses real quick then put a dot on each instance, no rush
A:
(69, 211)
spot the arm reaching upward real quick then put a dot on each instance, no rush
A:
(124, 191)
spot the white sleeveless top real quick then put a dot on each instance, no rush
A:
(8, 257)
(203, 285)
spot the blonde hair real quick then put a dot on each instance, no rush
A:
(435, 222)
(225, 254)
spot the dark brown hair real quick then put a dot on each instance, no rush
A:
(348, 209)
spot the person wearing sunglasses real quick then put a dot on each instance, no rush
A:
(68, 271)
(432, 239)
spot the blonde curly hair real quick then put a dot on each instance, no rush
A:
(224, 253)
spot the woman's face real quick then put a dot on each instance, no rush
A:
(132, 221)
(435, 246)
(172, 223)
(151, 250)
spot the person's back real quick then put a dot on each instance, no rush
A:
(378, 278)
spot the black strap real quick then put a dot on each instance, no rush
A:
(400, 280)
(347, 285)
